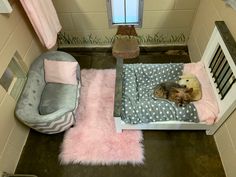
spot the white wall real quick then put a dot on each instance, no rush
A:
(164, 21)
(16, 35)
(208, 12)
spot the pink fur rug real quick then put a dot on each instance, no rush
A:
(93, 139)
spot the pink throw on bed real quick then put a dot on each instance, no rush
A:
(44, 19)
(207, 107)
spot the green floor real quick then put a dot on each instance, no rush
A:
(167, 153)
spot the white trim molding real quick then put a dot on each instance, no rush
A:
(5, 6)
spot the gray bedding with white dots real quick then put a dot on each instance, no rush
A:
(138, 105)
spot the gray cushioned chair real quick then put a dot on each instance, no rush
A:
(48, 107)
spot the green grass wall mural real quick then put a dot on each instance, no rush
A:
(65, 39)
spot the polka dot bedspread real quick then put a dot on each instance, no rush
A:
(138, 104)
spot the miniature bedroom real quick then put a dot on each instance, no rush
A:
(117, 88)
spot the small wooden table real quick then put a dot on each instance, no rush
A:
(125, 48)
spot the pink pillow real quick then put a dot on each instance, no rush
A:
(207, 107)
(60, 71)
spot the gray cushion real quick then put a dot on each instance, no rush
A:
(56, 96)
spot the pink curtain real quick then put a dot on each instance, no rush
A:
(44, 19)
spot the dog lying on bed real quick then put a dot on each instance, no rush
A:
(174, 92)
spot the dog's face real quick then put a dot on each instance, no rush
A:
(181, 96)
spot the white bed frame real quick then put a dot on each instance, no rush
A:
(220, 37)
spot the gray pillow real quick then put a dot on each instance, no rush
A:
(56, 96)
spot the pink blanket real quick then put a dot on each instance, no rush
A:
(44, 19)
(207, 107)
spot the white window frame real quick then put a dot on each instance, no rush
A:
(111, 24)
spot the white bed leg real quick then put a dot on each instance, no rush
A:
(118, 125)
(213, 129)
(118, 130)
(219, 123)
(210, 132)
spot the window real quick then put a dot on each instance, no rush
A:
(14, 77)
(125, 12)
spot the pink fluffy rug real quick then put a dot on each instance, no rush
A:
(93, 139)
